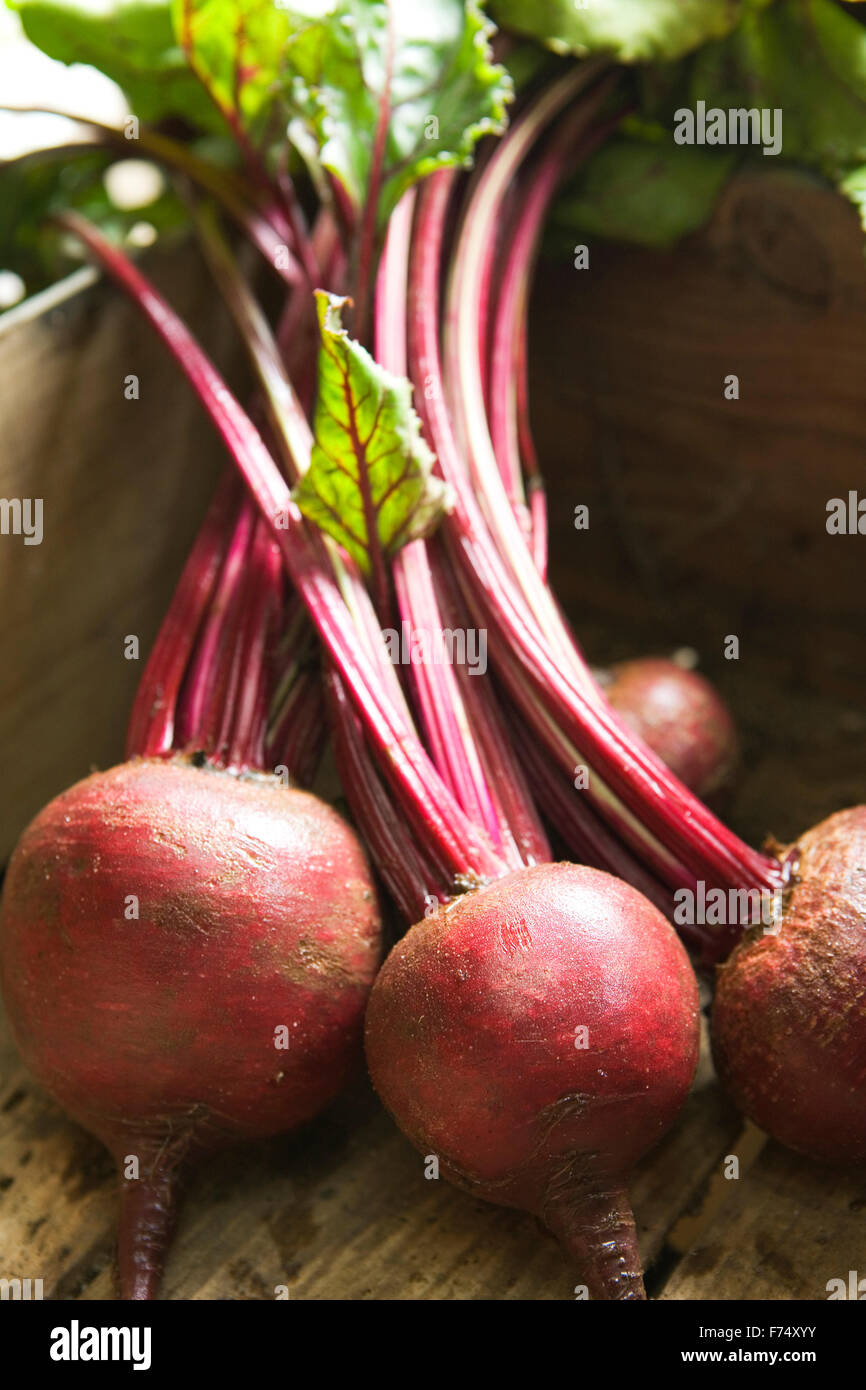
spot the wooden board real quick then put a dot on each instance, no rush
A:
(707, 518)
(785, 1230)
(342, 1211)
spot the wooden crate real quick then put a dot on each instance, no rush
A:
(124, 483)
(706, 519)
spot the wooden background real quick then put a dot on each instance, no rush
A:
(707, 518)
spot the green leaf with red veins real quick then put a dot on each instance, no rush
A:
(392, 89)
(371, 472)
(236, 48)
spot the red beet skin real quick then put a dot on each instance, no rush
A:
(681, 717)
(789, 1016)
(256, 911)
(470, 1038)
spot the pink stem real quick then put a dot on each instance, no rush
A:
(586, 835)
(296, 685)
(154, 711)
(300, 740)
(443, 714)
(459, 847)
(219, 715)
(509, 427)
(409, 878)
(508, 394)
(263, 596)
(198, 694)
(370, 211)
(297, 331)
(515, 807)
(662, 808)
(246, 204)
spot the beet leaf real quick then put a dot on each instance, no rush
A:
(370, 483)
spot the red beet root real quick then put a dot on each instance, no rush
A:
(538, 1036)
(160, 923)
(789, 1017)
(681, 717)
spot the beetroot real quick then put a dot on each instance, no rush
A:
(538, 1036)
(681, 717)
(789, 1018)
(159, 925)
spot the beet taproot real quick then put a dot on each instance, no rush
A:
(789, 1014)
(185, 956)
(538, 1035)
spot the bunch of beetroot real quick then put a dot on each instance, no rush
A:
(166, 924)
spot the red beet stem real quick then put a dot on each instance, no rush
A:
(262, 600)
(255, 210)
(441, 705)
(458, 846)
(595, 1226)
(642, 802)
(191, 681)
(368, 239)
(296, 733)
(202, 704)
(648, 808)
(154, 717)
(507, 391)
(537, 659)
(148, 1213)
(516, 805)
(290, 429)
(403, 866)
(300, 743)
(585, 833)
